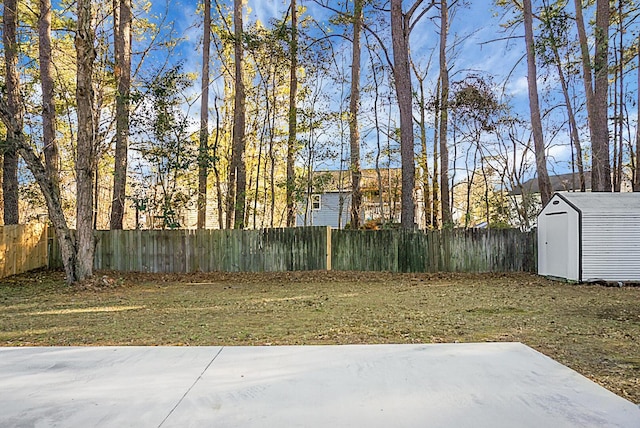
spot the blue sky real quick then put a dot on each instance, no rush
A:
(480, 51)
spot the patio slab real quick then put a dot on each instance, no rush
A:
(435, 385)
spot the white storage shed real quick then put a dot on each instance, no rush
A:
(590, 236)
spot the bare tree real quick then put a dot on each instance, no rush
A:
(122, 47)
(376, 120)
(203, 153)
(15, 110)
(596, 92)
(536, 123)
(237, 173)
(354, 105)
(600, 167)
(46, 176)
(49, 191)
(436, 157)
(444, 115)
(50, 144)
(423, 161)
(293, 115)
(49, 182)
(86, 149)
(573, 126)
(618, 107)
(401, 25)
(636, 181)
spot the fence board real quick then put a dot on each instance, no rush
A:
(23, 247)
(209, 250)
(473, 250)
(313, 248)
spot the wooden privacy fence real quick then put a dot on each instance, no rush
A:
(23, 247)
(473, 250)
(314, 248)
(209, 250)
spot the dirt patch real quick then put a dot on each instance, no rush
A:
(592, 329)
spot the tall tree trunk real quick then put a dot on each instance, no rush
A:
(86, 150)
(203, 153)
(620, 118)
(617, 130)
(636, 181)
(47, 186)
(376, 122)
(536, 123)
(573, 126)
(354, 105)
(261, 142)
(48, 177)
(585, 56)
(402, 79)
(596, 104)
(122, 47)
(447, 220)
(601, 167)
(216, 172)
(435, 185)
(239, 118)
(293, 115)
(423, 160)
(16, 110)
(51, 155)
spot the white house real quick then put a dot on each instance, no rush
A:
(590, 236)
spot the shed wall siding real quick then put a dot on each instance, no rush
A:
(611, 246)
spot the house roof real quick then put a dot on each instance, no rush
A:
(559, 183)
(340, 181)
(604, 202)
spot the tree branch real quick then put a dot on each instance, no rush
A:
(419, 17)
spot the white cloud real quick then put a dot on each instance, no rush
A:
(517, 87)
(265, 10)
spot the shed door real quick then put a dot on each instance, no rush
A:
(557, 244)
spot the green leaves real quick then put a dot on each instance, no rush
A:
(167, 147)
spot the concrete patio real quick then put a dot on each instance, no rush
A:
(437, 385)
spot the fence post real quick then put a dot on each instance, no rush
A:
(328, 248)
(46, 246)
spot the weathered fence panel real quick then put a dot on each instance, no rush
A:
(475, 250)
(212, 250)
(23, 247)
(313, 248)
(492, 250)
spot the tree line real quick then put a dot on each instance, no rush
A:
(97, 119)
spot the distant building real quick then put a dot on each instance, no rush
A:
(329, 208)
(559, 183)
(329, 202)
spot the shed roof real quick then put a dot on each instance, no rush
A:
(604, 202)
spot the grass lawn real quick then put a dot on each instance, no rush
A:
(592, 329)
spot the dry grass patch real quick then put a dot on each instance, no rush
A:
(592, 329)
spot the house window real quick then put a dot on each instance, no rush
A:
(315, 202)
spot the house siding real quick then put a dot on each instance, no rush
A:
(329, 212)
